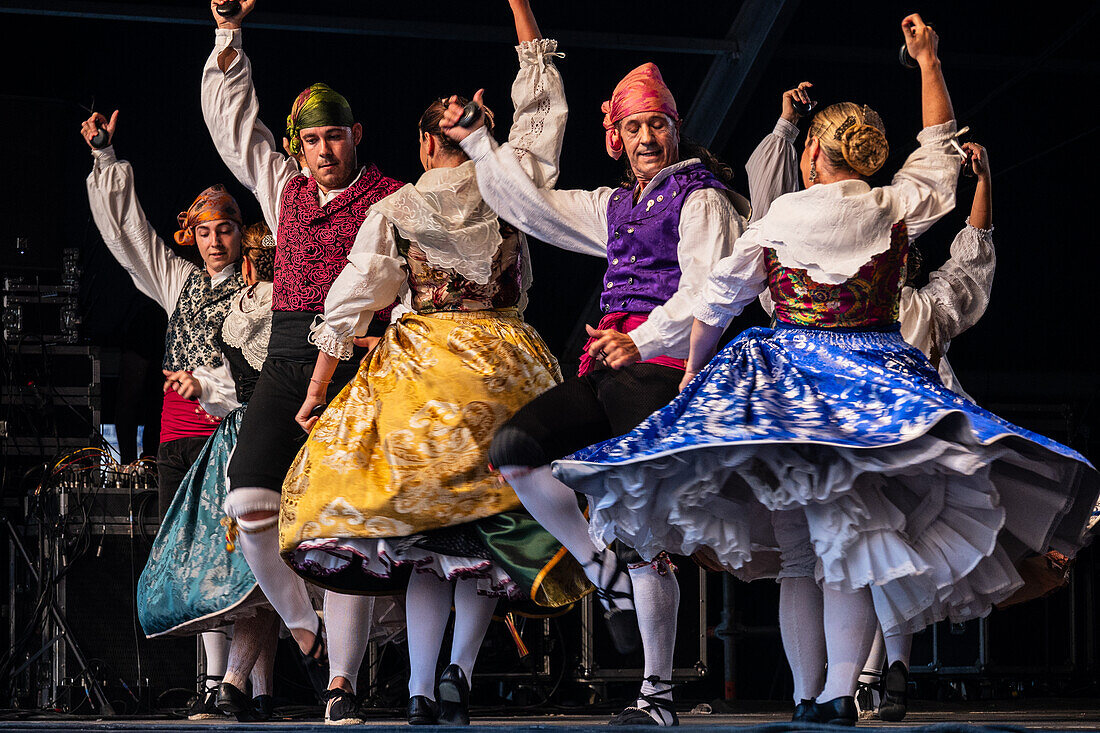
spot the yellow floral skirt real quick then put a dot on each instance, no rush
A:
(402, 451)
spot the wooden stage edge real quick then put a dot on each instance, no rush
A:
(1036, 714)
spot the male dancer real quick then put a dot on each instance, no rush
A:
(661, 234)
(316, 220)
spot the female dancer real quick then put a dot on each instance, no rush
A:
(909, 497)
(394, 480)
(196, 300)
(191, 582)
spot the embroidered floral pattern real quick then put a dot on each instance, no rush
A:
(191, 340)
(313, 241)
(870, 298)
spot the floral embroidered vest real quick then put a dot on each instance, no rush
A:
(313, 241)
(191, 339)
(437, 289)
(869, 299)
(643, 269)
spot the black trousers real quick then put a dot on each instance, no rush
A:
(269, 438)
(174, 460)
(581, 411)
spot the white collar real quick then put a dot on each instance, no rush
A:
(324, 198)
(665, 172)
(224, 274)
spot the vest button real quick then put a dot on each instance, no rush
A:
(630, 230)
(649, 203)
(615, 198)
(673, 193)
(615, 261)
(610, 284)
(616, 235)
(633, 258)
(607, 309)
(630, 280)
(660, 198)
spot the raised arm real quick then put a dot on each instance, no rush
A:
(773, 167)
(231, 111)
(925, 185)
(538, 97)
(572, 220)
(121, 221)
(959, 290)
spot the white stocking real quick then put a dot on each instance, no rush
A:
(473, 612)
(554, 506)
(898, 648)
(657, 600)
(347, 625)
(259, 542)
(850, 625)
(215, 647)
(803, 633)
(427, 608)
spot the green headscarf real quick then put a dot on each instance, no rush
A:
(317, 106)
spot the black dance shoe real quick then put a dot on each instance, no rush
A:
(622, 623)
(263, 707)
(838, 711)
(232, 701)
(423, 711)
(341, 708)
(203, 706)
(895, 693)
(454, 696)
(804, 711)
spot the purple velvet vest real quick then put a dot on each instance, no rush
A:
(642, 239)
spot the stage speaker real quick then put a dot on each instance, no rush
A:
(98, 599)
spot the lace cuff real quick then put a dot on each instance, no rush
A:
(327, 340)
(936, 133)
(537, 51)
(712, 316)
(983, 233)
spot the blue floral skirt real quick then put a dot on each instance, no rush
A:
(190, 582)
(907, 487)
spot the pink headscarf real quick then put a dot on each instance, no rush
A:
(642, 90)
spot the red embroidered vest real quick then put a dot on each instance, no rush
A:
(870, 298)
(314, 241)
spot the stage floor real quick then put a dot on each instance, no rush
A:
(1067, 715)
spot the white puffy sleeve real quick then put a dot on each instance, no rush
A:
(369, 282)
(572, 220)
(959, 290)
(773, 168)
(155, 269)
(232, 114)
(709, 225)
(538, 124)
(734, 282)
(924, 188)
(219, 390)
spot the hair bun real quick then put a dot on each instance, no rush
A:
(864, 148)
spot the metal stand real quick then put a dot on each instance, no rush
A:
(66, 633)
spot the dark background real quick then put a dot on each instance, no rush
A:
(1024, 83)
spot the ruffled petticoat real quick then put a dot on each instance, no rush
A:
(906, 486)
(395, 472)
(191, 583)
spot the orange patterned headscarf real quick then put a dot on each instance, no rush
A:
(642, 90)
(212, 204)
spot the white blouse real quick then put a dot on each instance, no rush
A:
(576, 220)
(155, 269)
(957, 293)
(375, 272)
(831, 230)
